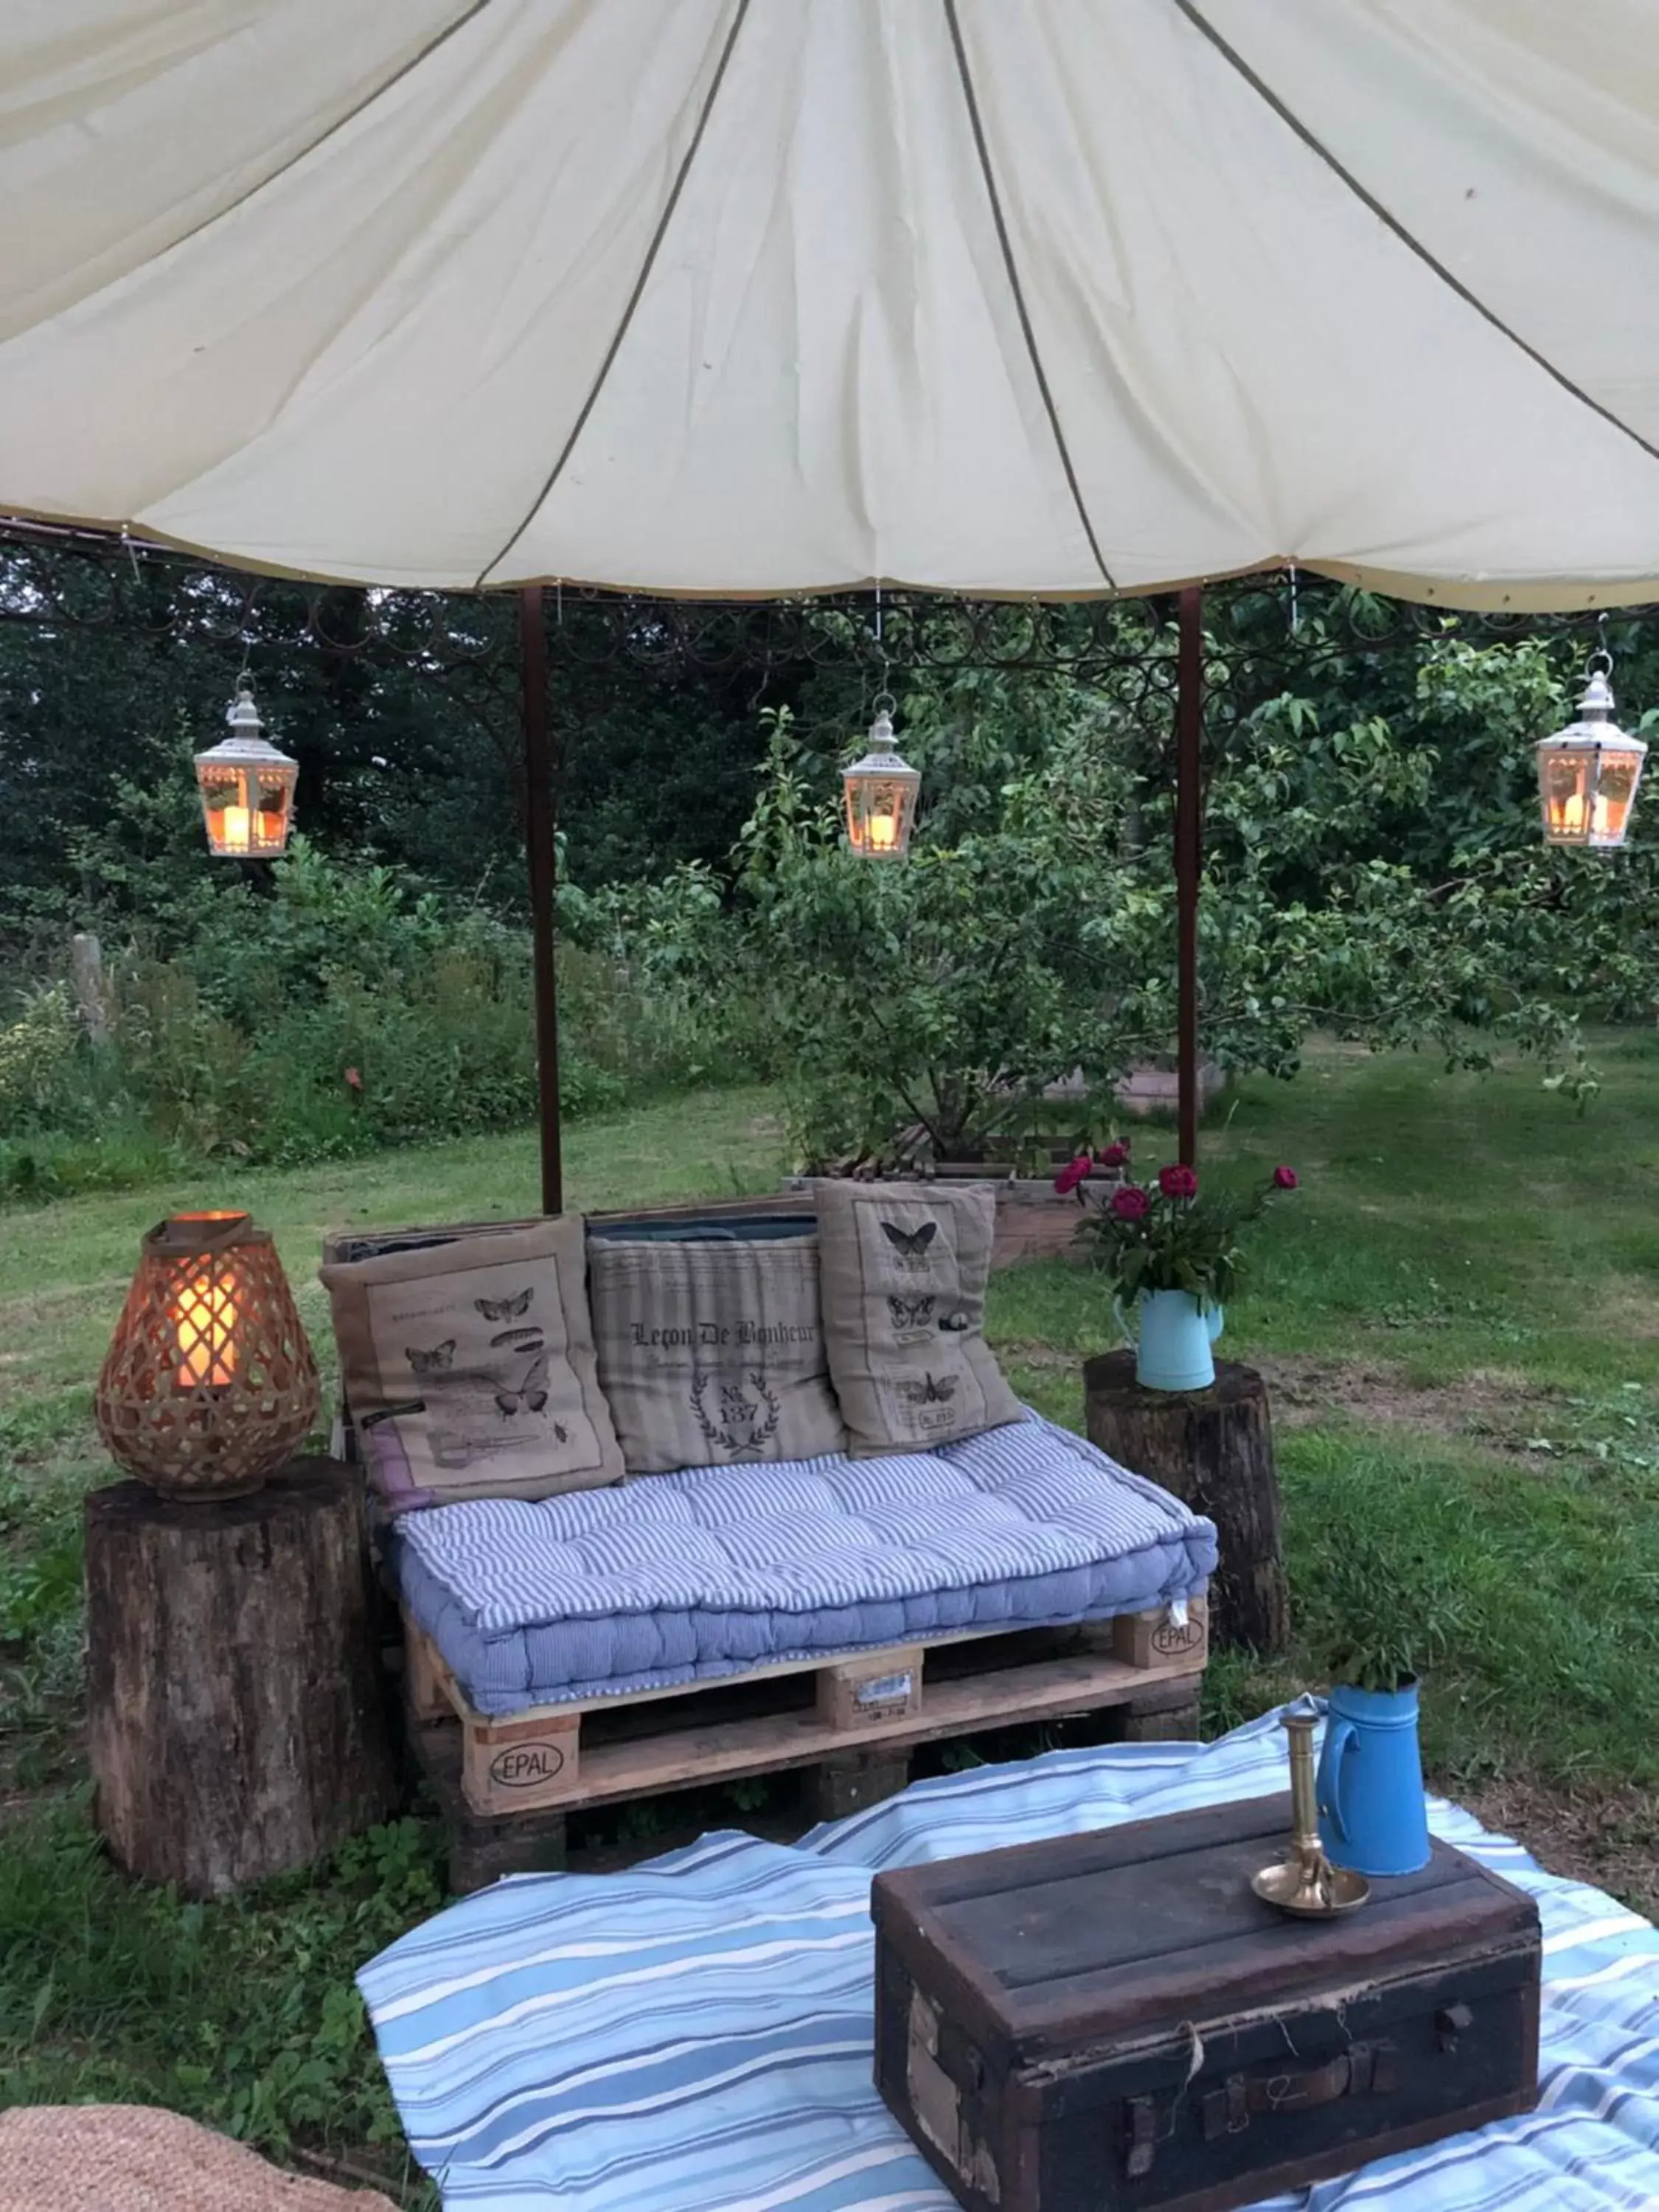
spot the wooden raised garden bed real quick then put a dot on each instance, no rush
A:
(506, 1785)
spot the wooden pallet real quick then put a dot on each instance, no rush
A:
(853, 1719)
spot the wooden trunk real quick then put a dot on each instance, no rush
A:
(1214, 1448)
(234, 1722)
(1114, 2022)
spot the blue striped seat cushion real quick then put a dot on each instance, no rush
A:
(674, 1578)
(694, 2035)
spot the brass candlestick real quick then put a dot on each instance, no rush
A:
(1307, 1882)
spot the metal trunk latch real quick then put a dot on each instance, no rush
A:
(1450, 2022)
(1143, 2136)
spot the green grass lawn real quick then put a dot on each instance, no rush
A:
(64, 1267)
(1459, 1316)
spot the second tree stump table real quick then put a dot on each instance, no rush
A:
(1212, 1449)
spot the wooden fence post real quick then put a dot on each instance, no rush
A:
(87, 975)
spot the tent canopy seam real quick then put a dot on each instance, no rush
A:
(631, 305)
(965, 78)
(1316, 145)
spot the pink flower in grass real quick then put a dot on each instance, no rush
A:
(1285, 1178)
(1130, 1202)
(1177, 1182)
(353, 1080)
(1074, 1172)
(1116, 1155)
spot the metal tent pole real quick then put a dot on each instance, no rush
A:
(538, 839)
(1190, 715)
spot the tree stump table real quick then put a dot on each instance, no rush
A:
(235, 1719)
(1213, 1450)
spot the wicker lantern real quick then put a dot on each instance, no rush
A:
(247, 787)
(209, 1384)
(1587, 774)
(881, 793)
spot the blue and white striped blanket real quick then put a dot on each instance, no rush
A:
(694, 2036)
(684, 1577)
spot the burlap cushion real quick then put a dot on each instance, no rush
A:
(712, 1351)
(134, 2158)
(904, 1268)
(468, 1366)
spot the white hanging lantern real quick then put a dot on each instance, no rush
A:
(1587, 774)
(881, 793)
(247, 787)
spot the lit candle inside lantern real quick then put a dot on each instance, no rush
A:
(203, 1318)
(204, 1324)
(246, 787)
(1589, 774)
(880, 793)
(1614, 790)
(1566, 805)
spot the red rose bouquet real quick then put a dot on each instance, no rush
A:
(1171, 1236)
(1109, 1161)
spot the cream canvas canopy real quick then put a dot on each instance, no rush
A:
(753, 296)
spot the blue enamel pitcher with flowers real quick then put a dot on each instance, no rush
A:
(1172, 1257)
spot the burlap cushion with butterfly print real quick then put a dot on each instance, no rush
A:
(711, 1351)
(469, 1367)
(904, 1268)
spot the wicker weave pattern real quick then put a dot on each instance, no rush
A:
(209, 1384)
(131, 2157)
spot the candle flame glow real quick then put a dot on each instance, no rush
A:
(203, 1319)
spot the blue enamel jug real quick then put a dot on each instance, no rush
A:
(1172, 1343)
(1370, 1788)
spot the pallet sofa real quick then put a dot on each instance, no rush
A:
(694, 1623)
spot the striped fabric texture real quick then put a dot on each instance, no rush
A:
(709, 1570)
(694, 2035)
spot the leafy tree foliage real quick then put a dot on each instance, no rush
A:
(412, 762)
(1373, 867)
(1372, 859)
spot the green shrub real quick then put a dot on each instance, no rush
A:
(339, 1008)
(37, 1050)
(945, 995)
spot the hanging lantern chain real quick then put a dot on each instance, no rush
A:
(884, 706)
